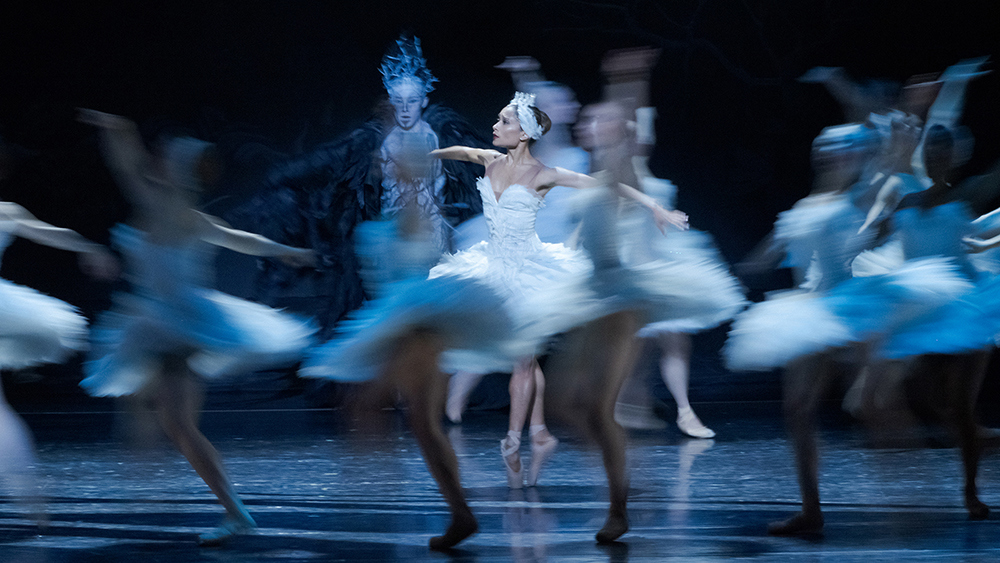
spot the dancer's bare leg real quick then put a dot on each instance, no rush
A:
(805, 383)
(543, 443)
(522, 391)
(414, 368)
(17, 461)
(178, 397)
(586, 380)
(964, 379)
(675, 369)
(460, 386)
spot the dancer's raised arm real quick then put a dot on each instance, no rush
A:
(96, 260)
(216, 232)
(562, 177)
(467, 154)
(124, 151)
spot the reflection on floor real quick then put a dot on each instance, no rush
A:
(324, 489)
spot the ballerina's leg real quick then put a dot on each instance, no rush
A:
(178, 395)
(17, 460)
(414, 369)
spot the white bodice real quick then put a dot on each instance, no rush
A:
(510, 220)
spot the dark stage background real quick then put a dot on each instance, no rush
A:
(734, 126)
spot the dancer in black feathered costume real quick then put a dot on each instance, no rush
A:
(316, 199)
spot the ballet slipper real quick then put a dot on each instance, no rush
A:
(689, 424)
(462, 526)
(509, 449)
(806, 522)
(231, 526)
(614, 527)
(541, 451)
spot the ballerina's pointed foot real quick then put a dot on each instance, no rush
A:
(690, 424)
(801, 523)
(460, 528)
(614, 528)
(977, 509)
(230, 527)
(510, 450)
(542, 449)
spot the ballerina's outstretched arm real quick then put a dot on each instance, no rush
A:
(95, 259)
(561, 177)
(217, 232)
(467, 154)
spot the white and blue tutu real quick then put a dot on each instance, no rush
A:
(172, 312)
(821, 234)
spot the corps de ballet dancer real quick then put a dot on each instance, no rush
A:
(37, 329)
(619, 134)
(171, 330)
(833, 317)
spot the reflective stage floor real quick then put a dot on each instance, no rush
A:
(322, 489)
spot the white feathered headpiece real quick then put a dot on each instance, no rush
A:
(523, 103)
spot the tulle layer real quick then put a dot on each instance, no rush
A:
(218, 333)
(470, 318)
(793, 324)
(691, 285)
(546, 289)
(37, 329)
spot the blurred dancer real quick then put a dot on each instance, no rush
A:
(172, 328)
(618, 135)
(952, 340)
(36, 329)
(401, 339)
(833, 318)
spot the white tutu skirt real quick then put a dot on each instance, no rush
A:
(220, 335)
(37, 329)
(797, 323)
(470, 317)
(690, 283)
(546, 289)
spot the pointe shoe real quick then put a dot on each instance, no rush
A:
(509, 449)
(689, 424)
(230, 527)
(540, 453)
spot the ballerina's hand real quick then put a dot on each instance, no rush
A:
(665, 219)
(100, 118)
(300, 258)
(519, 64)
(973, 244)
(100, 264)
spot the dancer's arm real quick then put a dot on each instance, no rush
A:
(96, 260)
(468, 154)
(975, 244)
(562, 177)
(124, 153)
(216, 232)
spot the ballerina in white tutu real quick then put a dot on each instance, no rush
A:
(545, 285)
(172, 328)
(37, 329)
